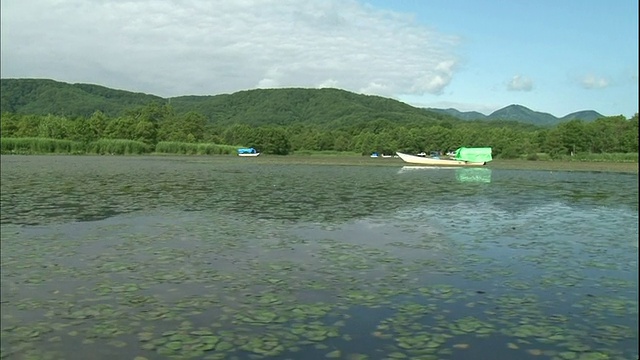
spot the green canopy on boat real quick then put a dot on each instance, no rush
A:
(482, 154)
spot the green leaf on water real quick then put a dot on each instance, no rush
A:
(145, 336)
(118, 343)
(333, 355)
(174, 345)
(397, 355)
(357, 357)
(224, 346)
(568, 355)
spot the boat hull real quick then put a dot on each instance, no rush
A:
(413, 159)
(249, 155)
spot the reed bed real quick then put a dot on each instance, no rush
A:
(585, 157)
(184, 148)
(325, 153)
(118, 147)
(605, 157)
(36, 145)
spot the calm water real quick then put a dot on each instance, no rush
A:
(227, 258)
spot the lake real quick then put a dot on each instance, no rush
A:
(233, 258)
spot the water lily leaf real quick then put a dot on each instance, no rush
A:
(397, 355)
(333, 354)
(174, 345)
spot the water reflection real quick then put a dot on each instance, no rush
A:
(477, 175)
(463, 175)
(411, 168)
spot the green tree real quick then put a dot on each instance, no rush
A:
(239, 134)
(146, 132)
(28, 126)
(54, 127)
(193, 124)
(9, 124)
(342, 143)
(121, 128)
(573, 136)
(554, 144)
(272, 140)
(96, 124)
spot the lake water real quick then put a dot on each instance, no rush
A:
(228, 258)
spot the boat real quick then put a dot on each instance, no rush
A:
(248, 152)
(376, 155)
(463, 157)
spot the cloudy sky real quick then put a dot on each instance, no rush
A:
(548, 55)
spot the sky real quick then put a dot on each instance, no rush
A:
(553, 56)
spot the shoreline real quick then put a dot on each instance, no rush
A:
(356, 160)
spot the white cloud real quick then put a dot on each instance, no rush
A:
(520, 83)
(591, 81)
(329, 83)
(182, 47)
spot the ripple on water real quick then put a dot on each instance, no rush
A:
(126, 257)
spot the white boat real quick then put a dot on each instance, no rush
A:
(415, 159)
(376, 155)
(249, 155)
(463, 157)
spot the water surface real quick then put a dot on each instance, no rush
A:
(215, 258)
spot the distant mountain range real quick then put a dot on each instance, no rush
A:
(258, 106)
(522, 114)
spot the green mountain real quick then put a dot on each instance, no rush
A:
(320, 107)
(297, 105)
(463, 115)
(43, 96)
(522, 114)
(586, 115)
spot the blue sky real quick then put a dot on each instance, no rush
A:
(552, 56)
(570, 55)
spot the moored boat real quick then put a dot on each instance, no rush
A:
(248, 152)
(463, 157)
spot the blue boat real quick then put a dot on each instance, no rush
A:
(248, 152)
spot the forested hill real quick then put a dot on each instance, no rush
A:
(43, 97)
(324, 108)
(319, 107)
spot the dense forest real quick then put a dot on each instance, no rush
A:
(282, 121)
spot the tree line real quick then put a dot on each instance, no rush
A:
(159, 122)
